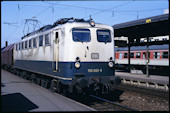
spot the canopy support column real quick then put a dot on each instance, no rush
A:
(147, 59)
(128, 55)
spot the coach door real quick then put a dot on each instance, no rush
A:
(56, 50)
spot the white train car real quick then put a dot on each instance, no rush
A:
(77, 54)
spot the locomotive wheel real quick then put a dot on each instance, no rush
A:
(38, 81)
(55, 86)
(58, 86)
(43, 82)
(47, 84)
(23, 74)
(32, 78)
(15, 71)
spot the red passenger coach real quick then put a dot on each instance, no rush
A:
(158, 57)
(7, 56)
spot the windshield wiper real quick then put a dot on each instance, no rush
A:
(107, 39)
(78, 39)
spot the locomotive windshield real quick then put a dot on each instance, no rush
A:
(103, 36)
(81, 35)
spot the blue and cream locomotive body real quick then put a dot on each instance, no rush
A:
(77, 54)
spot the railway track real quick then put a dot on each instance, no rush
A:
(152, 92)
(106, 103)
(114, 105)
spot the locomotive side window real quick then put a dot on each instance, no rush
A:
(30, 43)
(47, 39)
(103, 36)
(164, 55)
(144, 54)
(120, 56)
(22, 45)
(19, 46)
(34, 42)
(125, 55)
(156, 55)
(81, 35)
(138, 55)
(26, 45)
(16, 47)
(41, 40)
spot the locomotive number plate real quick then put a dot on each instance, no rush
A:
(95, 55)
(94, 70)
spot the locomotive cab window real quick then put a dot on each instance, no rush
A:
(165, 55)
(103, 36)
(81, 35)
(41, 40)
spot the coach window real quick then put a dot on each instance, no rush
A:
(156, 55)
(30, 43)
(131, 55)
(41, 40)
(120, 56)
(34, 42)
(103, 36)
(47, 39)
(138, 55)
(125, 55)
(81, 35)
(165, 55)
(144, 54)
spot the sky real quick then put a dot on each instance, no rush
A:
(15, 13)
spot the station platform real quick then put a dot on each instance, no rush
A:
(20, 95)
(143, 77)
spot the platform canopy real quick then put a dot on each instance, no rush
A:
(143, 28)
(147, 27)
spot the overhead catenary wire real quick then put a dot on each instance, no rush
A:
(110, 8)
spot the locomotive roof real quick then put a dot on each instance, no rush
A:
(153, 47)
(58, 22)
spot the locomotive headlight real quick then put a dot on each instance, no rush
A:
(77, 64)
(92, 23)
(110, 64)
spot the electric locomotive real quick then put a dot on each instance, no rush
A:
(72, 54)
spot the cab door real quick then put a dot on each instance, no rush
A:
(56, 50)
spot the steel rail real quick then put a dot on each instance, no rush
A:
(117, 104)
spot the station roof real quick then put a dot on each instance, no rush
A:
(147, 27)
